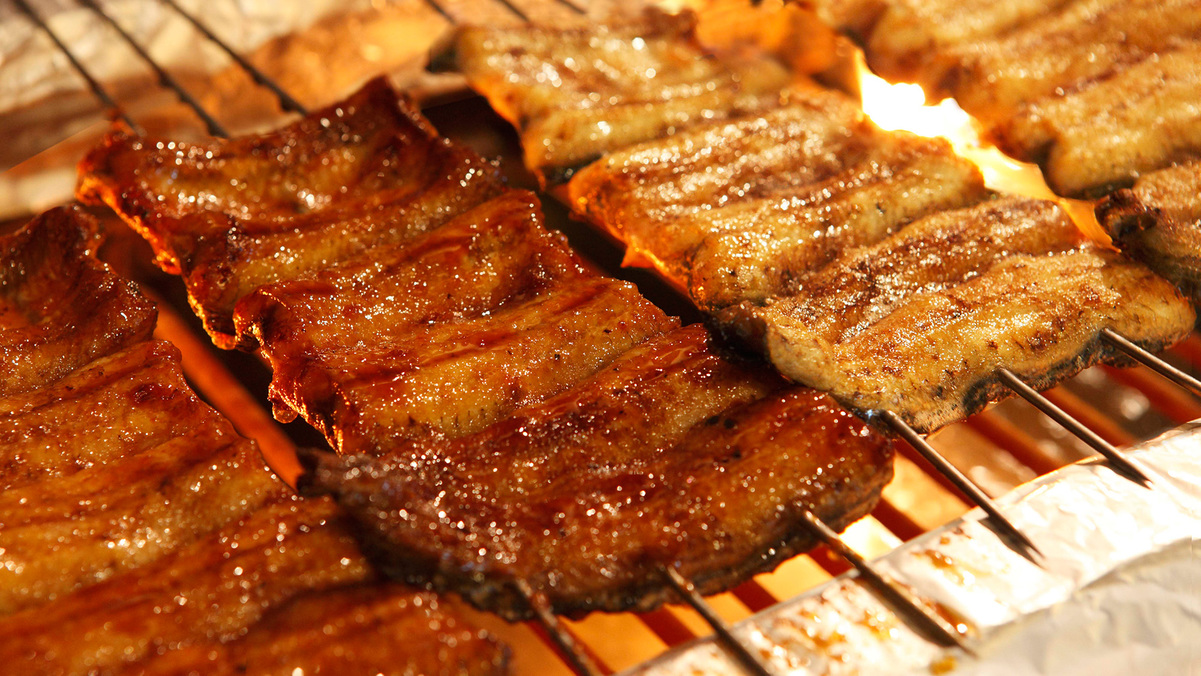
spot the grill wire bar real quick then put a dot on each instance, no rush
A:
(745, 654)
(1117, 460)
(97, 89)
(921, 621)
(1152, 362)
(214, 127)
(580, 662)
(286, 101)
(1008, 533)
(515, 10)
(437, 7)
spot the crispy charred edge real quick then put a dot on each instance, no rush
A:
(1124, 215)
(66, 240)
(102, 182)
(499, 595)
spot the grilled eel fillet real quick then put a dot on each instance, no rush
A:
(230, 216)
(919, 322)
(738, 210)
(508, 386)
(576, 93)
(423, 352)
(139, 533)
(448, 334)
(1158, 221)
(1096, 91)
(671, 456)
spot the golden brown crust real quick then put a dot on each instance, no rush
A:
(1096, 91)
(232, 215)
(674, 455)
(922, 321)
(576, 93)
(738, 211)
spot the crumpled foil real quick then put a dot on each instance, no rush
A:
(1119, 590)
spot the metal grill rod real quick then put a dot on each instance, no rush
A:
(437, 7)
(583, 11)
(1008, 533)
(913, 614)
(1152, 362)
(1118, 460)
(745, 654)
(285, 100)
(214, 127)
(97, 89)
(515, 10)
(580, 662)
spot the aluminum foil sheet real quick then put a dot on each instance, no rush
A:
(1119, 591)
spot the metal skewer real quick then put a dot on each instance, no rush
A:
(97, 89)
(580, 662)
(928, 627)
(574, 7)
(214, 127)
(745, 654)
(437, 7)
(515, 10)
(1008, 533)
(1118, 460)
(1152, 362)
(285, 100)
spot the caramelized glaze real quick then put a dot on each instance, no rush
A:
(138, 532)
(232, 215)
(673, 455)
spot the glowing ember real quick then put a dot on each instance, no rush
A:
(903, 106)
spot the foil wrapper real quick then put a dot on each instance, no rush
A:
(1119, 590)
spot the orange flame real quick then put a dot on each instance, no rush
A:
(903, 106)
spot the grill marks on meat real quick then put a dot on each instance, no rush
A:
(920, 322)
(230, 216)
(738, 210)
(1158, 221)
(449, 334)
(672, 456)
(1097, 91)
(138, 532)
(576, 93)
(478, 368)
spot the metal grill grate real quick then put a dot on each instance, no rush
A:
(216, 382)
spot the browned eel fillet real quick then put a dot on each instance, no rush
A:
(739, 210)
(474, 357)
(919, 322)
(672, 456)
(447, 334)
(1097, 91)
(576, 93)
(138, 532)
(1158, 221)
(230, 216)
